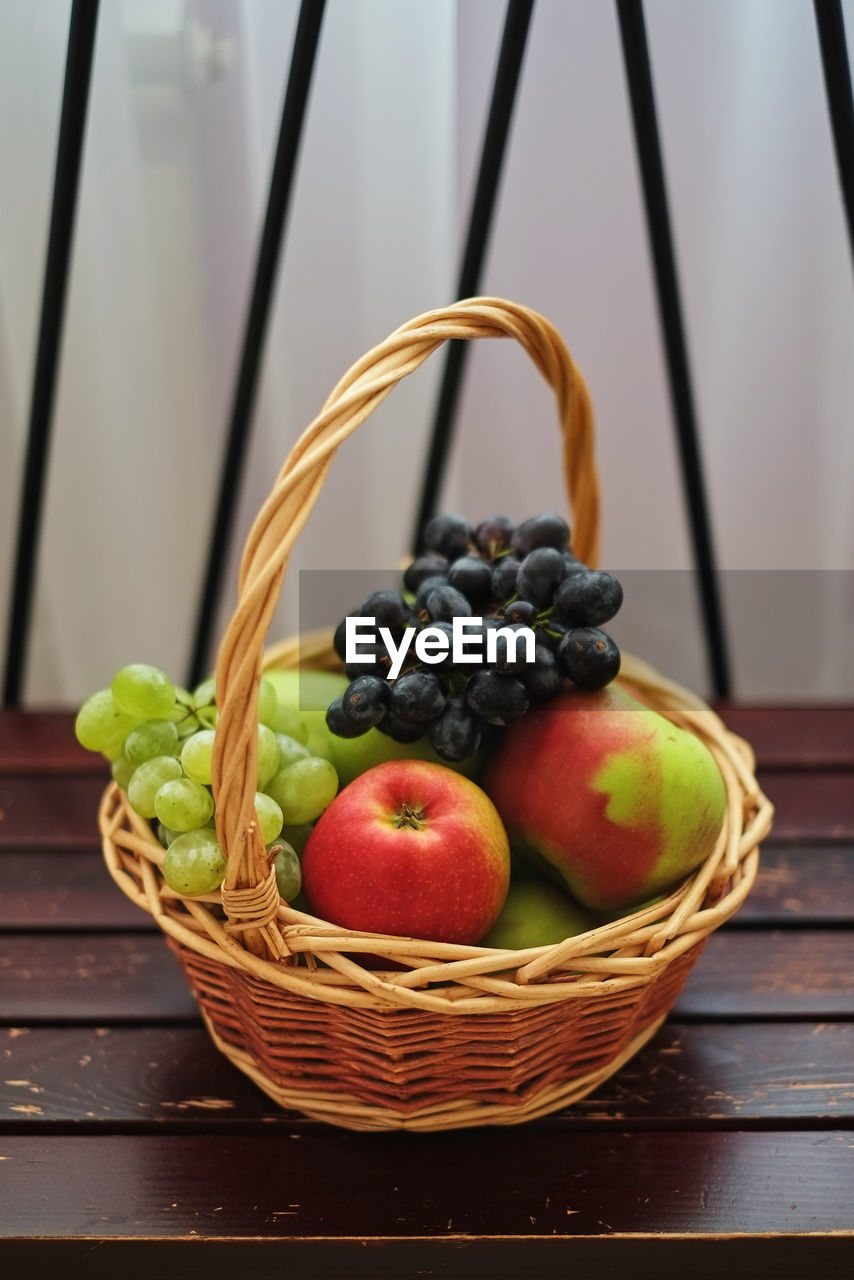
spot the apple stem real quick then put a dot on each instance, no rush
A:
(408, 817)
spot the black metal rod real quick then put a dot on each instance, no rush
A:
(840, 102)
(69, 155)
(303, 57)
(516, 24)
(647, 141)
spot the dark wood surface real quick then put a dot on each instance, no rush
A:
(128, 1143)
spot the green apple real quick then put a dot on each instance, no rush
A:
(310, 693)
(536, 914)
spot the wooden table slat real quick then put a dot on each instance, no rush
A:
(798, 736)
(332, 1183)
(641, 1255)
(42, 742)
(160, 1078)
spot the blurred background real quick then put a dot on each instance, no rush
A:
(184, 111)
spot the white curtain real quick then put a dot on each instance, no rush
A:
(183, 120)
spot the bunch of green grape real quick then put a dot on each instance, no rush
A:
(159, 740)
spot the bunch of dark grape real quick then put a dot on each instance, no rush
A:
(507, 575)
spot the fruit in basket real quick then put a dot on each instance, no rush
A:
(143, 691)
(312, 692)
(303, 789)
(614, 799)
(489, 621)
(536, 914)
(309, 693)
(101, 725)
(194, 863)
(163, 762)
(409, 848)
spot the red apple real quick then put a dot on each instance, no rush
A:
(412, 849)
(616, 800)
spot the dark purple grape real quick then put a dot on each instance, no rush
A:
(447, 630)
(366, 700)
(339, 640)
(588, 599)
(504, 574)
(376, 661)
(445, 603)
(424, 589)
(511, 656)
(339, 724)
(540, 531)
(456, 734)
(497, 699)
(451, 536)
(572, 565)
(521, 611)
(539, 574)
(399, 730)
(389, 609)
(589, 657)
(474, 644)
(493, 536)
(417, 697)
(428, 565)
(541, 677)
(473, 577)
(551, 632)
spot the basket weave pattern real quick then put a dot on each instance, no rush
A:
(448, 1035)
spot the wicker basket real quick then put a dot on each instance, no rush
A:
(449, 1036)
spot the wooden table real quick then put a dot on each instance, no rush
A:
(129, 1144)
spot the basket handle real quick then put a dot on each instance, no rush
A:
(249, 893)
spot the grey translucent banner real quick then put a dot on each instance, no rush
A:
(789, 632)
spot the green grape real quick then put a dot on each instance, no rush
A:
(166, 835)
(194, 863)
(288, 873)
(297, 835)
(290, 750)
(149, 739)
(268, 701)
(183, 804)
(196, 755)
(102, 725)
(268, 756)
(269, 816)
(204, 694)
(147, 780)
(318, 742)
(182, 706)
(288, 721)
(122, 771)
(304, 789)
(144, 691)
